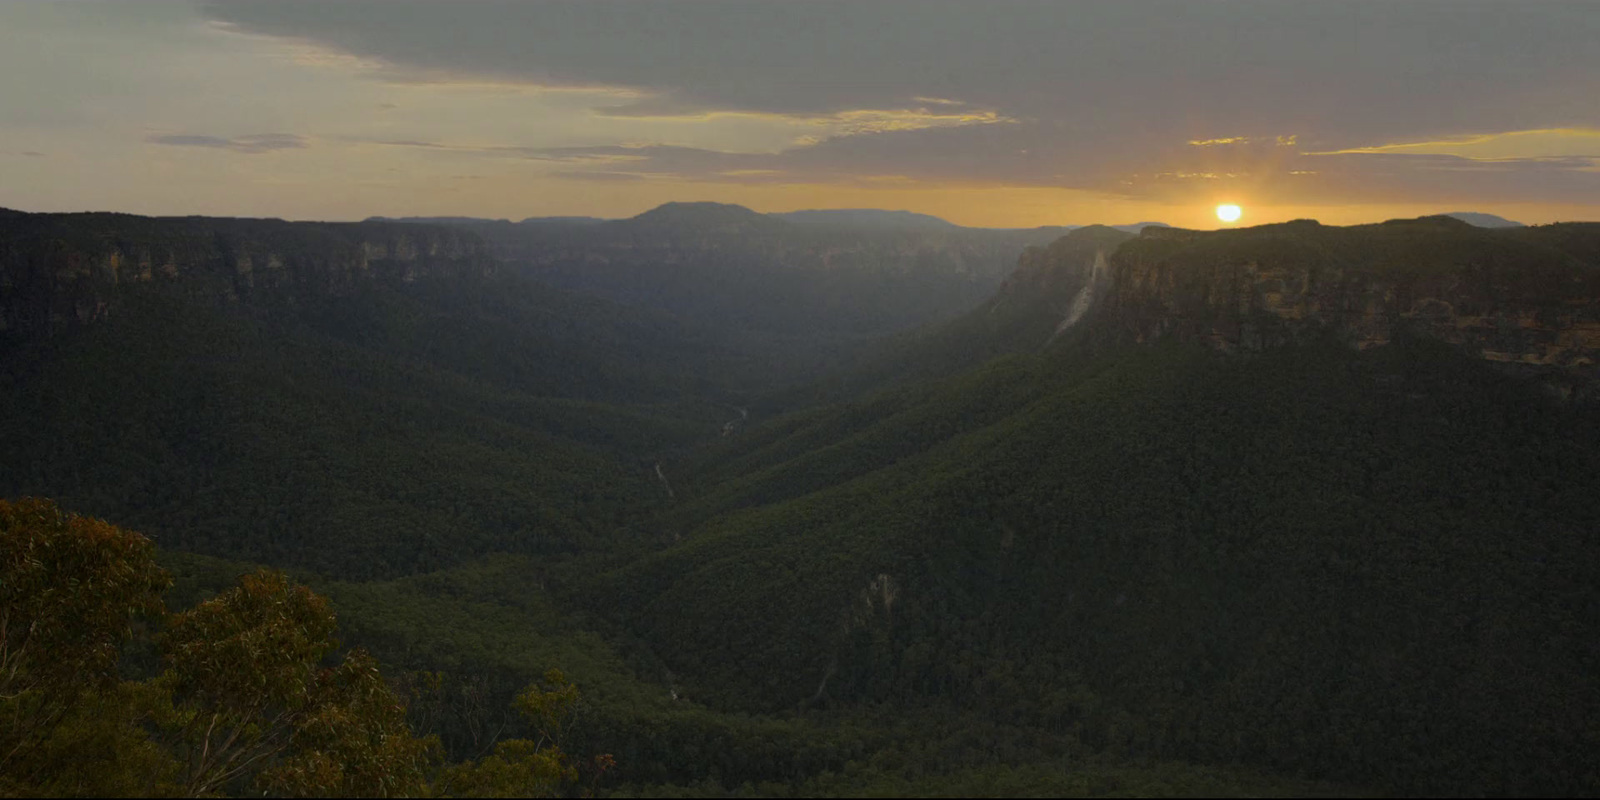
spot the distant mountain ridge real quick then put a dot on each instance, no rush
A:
(787, 296)
(1525, 298)
(563, 221)
(487, 221)
(438, 220)
(731, 267)
(1482, 220)
(864, 217)
(867, 218)
(704, 211)
(1138, 226)
(63, 270)
(699, 214)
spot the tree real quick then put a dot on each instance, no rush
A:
(528, 767)
(354, 741)
(70, 589)
(251, 698)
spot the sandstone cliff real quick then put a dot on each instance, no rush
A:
(63, 270)
(1525, 298)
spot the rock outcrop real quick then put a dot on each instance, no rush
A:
(1523, 296)
(62, 270)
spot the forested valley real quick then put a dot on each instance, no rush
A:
(375, 509)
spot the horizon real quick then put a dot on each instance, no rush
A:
(1240, 225)
(1029, 115)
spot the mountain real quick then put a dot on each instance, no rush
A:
(1284, 509)
(561, 220)
(480, 221)
(1292, 561)
(270, 391)
(1521, 297)
(864, 217)
(1250, 496)
(1483, 220)
(699, 215)
(760, 278)
(62, 270)
(437, 220)
(1526, 299)
(878, 218)
(1139, 226)
(808, 288)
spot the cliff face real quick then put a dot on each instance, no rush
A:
(62, 270)
(1523, 296)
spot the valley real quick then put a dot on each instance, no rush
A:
(826, 507)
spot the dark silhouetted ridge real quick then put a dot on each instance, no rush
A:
(702, 214)
(864, 217)
(1483, 220)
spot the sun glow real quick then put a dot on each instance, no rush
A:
(1229, 212)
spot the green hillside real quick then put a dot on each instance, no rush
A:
(1077, 541)
(384, 433)
(1373, 567)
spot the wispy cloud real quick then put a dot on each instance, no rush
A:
(1505, 145)
(598, 176)
(1148, 101)
(252, 144)
(941, 114)
(1144, 98)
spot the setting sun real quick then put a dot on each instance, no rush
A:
(1228, 212)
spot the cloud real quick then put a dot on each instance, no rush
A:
(843, 123)
(1324, 102)
(1525, 144)
(598, 176)
(1262, 172)
(1025, 154)
(408, 143)
(252, 144)
(1358, 71)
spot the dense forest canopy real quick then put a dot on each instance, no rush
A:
(1293, 509)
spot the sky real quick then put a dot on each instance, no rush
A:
(997, 114)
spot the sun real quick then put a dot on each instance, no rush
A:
(1229, 212)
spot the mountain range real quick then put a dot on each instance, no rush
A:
(833, 509)
(1483, 220)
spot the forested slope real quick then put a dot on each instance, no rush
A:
(1188, 512)
(1310, 498)
(367, 406)
(1374, 567)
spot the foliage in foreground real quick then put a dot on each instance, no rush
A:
(249, 695)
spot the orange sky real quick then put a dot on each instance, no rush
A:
(1009, 118)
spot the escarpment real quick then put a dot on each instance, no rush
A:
(59, 271)
(1528, 298)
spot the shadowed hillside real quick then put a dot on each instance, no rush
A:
(1168, 513)
(1251, 502)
